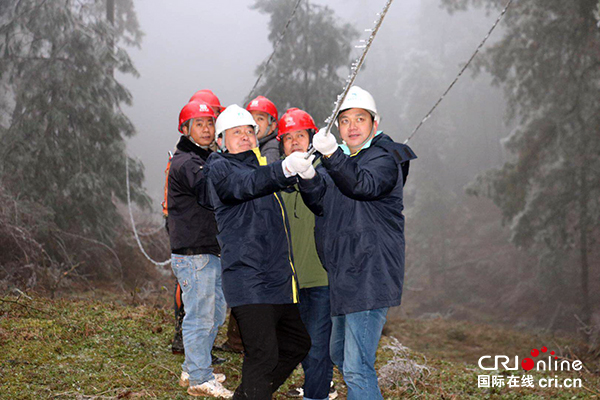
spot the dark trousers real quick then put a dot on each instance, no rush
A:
(275, 341)
(318, 368)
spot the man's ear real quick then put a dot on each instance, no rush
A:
(185, 129)
(220, 142)
(273, 127)
(375, 125)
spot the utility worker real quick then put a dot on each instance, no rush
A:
(259, 280)
(208, 97)
(265, 115)
(296, 129)
(357, 197)
(195, 250)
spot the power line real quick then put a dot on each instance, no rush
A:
(283, 32)
(355, 68)
(428, 115)
(135, 233)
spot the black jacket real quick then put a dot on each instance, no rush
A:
(192, 227)
(359, 228)
(254, 235)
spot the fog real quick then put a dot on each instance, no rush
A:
(460, 258)
(191, 45)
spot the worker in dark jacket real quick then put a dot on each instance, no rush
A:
(259, 280)
(265, 115)
(357, 197)
(195, 251)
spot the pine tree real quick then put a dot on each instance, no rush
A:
(305, 70)
(63, 137)
(549, 65)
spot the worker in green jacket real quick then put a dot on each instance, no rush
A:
(296, 128)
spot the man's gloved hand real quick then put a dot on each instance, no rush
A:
(296, 163)
(309, 173)
(325, 144)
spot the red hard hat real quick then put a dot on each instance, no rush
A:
(261, 103)
(194, 109)
(295, 119)
(208, 97)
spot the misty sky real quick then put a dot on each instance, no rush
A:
(192, 44)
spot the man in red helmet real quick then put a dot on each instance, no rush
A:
(195, 251)
(265, 115)
(296, 129)
(208, 97)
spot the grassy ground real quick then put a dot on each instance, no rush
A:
(76, 348)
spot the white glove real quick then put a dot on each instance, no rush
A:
(325, 143)
(296, 163)
(309, 173)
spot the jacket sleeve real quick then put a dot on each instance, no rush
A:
(239, 186)
(313, 191)
(369, 181)
(193, 174)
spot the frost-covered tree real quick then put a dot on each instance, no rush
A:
(63, 134)
(549, 190)
(305, 70)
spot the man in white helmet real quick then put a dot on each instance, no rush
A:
(359, 232)
(259, 280)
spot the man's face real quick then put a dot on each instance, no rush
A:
(295, 141)
(263, 120)
(239, 139)
(203, 130)
(356, 126)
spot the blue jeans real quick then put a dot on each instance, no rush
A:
(316, 315)
(354, 341)
(200, 279)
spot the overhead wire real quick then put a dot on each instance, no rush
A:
(135, 232)
(275, 46)
(355, 67)
(463, 69)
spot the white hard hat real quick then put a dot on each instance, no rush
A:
(231, 117)
(359, 98)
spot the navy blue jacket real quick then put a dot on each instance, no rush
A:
(192, 227)
(359, 228)
(256, 254)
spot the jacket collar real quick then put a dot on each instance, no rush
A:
(252, 155)
(185, 145)
(267, 138)
(367, 144)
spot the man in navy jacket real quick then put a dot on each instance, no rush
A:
(359, 232)
(259, 280)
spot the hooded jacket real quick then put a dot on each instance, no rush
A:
(256, 253)
(192, 227)
(359, 228)
(269, 147)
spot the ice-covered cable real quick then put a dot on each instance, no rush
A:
(135, 233)
(355, 68)
(428, 115)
